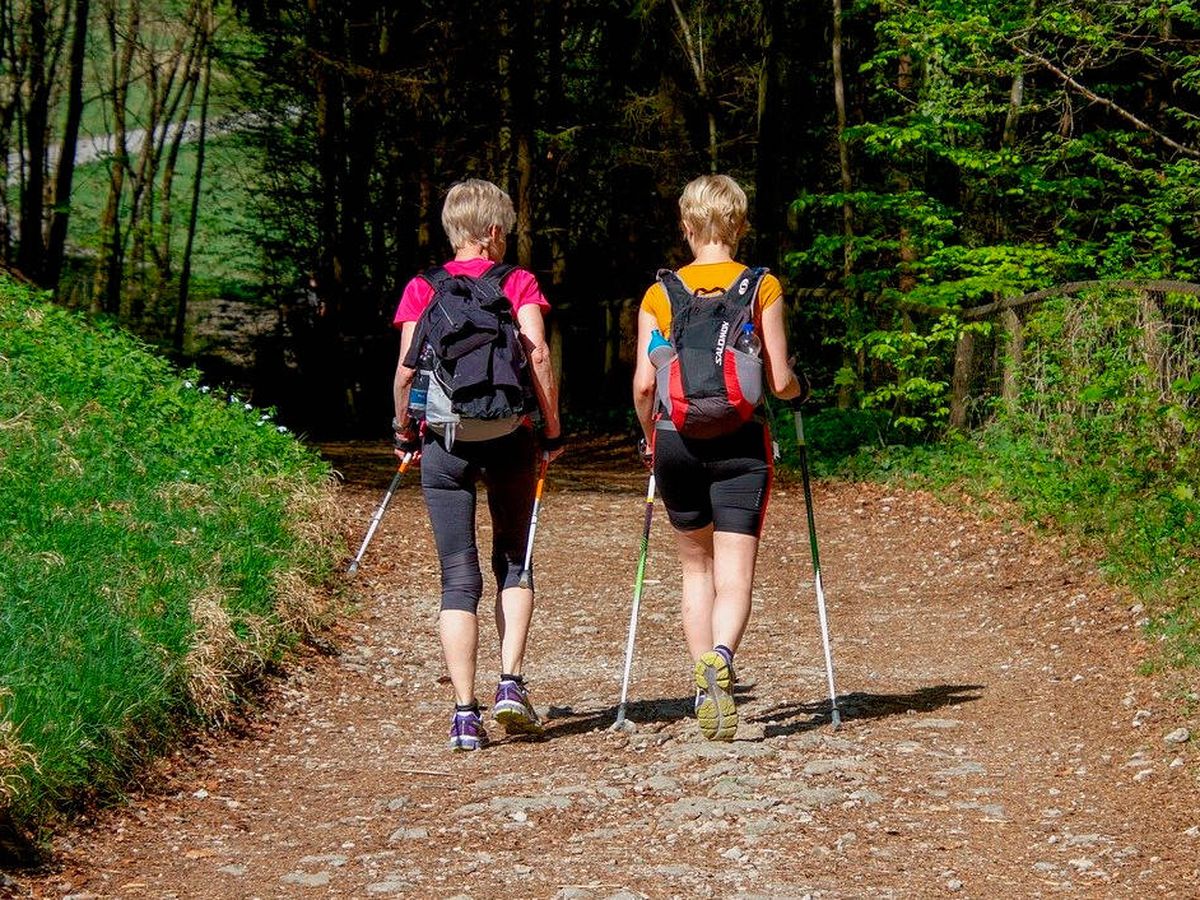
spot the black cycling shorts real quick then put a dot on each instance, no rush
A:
(723, 481)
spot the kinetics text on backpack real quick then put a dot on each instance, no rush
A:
(480, 384)
(709, 388)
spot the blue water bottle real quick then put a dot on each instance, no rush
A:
(418, 391)
(659, 349)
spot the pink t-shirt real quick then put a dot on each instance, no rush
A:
(520, 287)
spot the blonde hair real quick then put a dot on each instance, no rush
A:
(472, 208)
(714, 208)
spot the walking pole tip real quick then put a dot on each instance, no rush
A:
(622, 725)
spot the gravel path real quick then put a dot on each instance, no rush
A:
(998, 739)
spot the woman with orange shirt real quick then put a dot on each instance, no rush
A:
(715, 489)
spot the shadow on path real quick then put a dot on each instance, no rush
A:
(565, 721)
(858, 705)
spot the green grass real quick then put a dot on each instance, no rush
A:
(1141, 513)
(156, 549)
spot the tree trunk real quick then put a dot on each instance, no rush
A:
(57, 243)
(523, 55)
(695, 54)
(849, 363)
(559, 213)
(185, 270)
(106, 291)
(768, 202)
(31, 250)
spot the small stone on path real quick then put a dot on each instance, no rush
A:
(1178, 736)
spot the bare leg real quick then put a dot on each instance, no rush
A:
(696, 558)
(514, 611)
(733, 575)
(460, 639)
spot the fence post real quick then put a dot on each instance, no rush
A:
(1155, 354)
(1015, 333)
(960, 382)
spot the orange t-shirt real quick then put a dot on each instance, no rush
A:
(711, 278)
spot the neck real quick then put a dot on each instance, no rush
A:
(471, 251)
(712, 253)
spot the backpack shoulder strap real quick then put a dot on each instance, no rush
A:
(498, 273)
(436, 277)
(492, 280)
(677, 293)
(745, 287)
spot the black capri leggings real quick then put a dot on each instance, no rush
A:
(723, 481)
(507, 466)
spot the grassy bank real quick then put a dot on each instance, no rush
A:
(158, 546)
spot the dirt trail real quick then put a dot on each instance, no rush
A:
(998, 739)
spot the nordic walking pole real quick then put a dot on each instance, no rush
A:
(836, 715)
(527, 569)
(375, 520)
(637, 600)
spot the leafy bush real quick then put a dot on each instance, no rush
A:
(157, 547)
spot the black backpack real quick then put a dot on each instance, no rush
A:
(468, 343)
(709, 388)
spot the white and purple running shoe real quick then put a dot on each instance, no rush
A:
(513, 710)
(466, 730)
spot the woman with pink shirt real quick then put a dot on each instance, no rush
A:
(477, 216)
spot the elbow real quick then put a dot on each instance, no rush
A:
(539, 354)
(643, 389)
(404, 376)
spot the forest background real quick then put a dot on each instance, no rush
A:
(293, 157)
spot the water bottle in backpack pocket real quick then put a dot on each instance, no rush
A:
(712, 386)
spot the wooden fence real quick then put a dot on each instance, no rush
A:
(1011, 313)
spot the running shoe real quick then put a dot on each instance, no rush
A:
(715, 710)
(513, 710)
(466, 730)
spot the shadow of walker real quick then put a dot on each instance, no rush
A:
(664, 711)
(798, 717)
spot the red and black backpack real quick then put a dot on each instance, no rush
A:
(709, 389)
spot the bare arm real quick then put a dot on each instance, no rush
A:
(780, 378)
(545, 384)
(643, 376)
(404, 375)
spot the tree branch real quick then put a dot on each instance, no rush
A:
(1107, 104)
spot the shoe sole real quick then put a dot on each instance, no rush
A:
(462, 744)
(717, 713)
(514, 718)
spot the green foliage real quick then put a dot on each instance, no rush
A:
(147, 529)
(918, 397)
(980, 172)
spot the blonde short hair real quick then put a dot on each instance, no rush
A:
(472, 208)
(714, 208)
